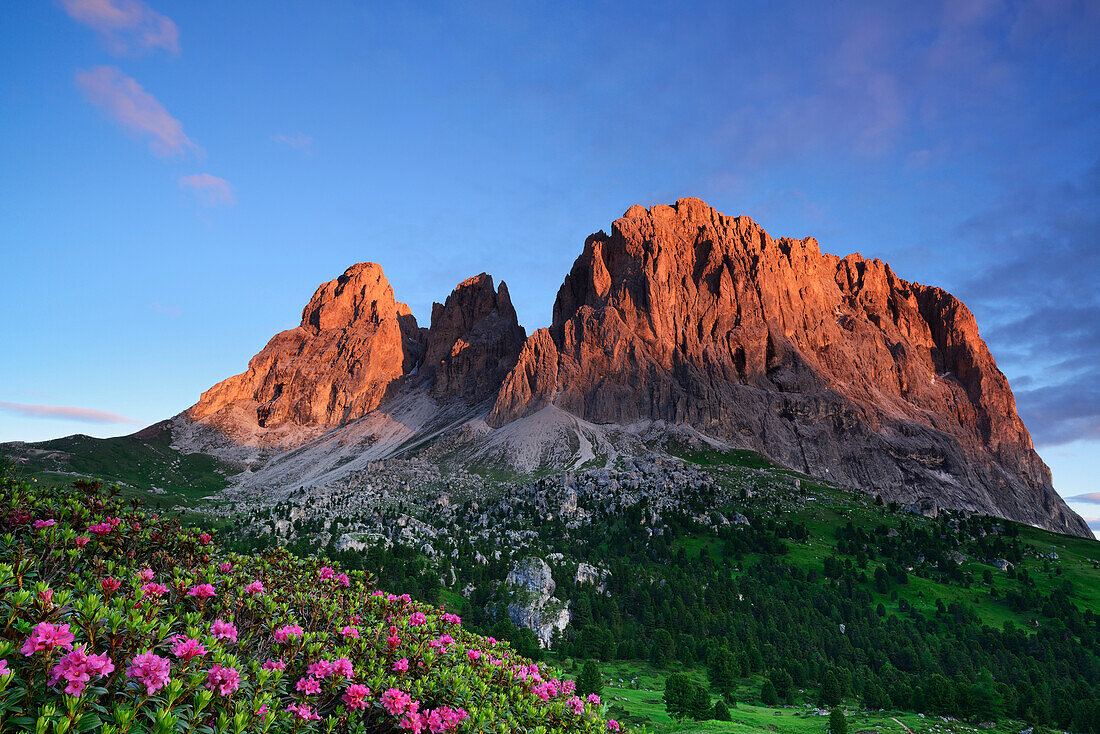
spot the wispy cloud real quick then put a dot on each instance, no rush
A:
(299, 141)
(125, 102)
(60, 412)
(170, 311)
(1093, 497)
(1044, 240)
(126, 26)
(209, 190)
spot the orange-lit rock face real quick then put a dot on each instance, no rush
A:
(833, 366)
(686, 315)
(353, 342)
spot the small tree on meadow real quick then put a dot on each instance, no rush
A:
(837, 723)
(590, 680)
(722, 711)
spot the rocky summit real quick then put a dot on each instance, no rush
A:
(682, 324)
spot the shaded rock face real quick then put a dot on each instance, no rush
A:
(834, 366)
(353, 342)
(473, 342)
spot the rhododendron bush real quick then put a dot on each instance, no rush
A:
(117, 620)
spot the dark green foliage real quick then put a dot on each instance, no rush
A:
(768, 696)
(722, 712)
(590, 680)
(829, 695)
(679, 695)
(837, 723)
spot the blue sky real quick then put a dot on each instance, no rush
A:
(178, 177)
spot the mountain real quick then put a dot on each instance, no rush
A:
(681, 328)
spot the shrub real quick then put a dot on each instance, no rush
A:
(116, 620)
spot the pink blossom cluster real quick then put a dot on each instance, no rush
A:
(303, 711)
(287, 632)
(223, 630)
(436, 721)
(355, 697)
(187, 648)
(78, 668)
(202, 591)
(46, 637)
(223, 680)
(149, 670)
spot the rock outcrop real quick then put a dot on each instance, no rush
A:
(834, 366)
(533, 605)
(473, 342)
(353, 342)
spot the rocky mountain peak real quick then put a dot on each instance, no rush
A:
(473, 341)
(354, 340)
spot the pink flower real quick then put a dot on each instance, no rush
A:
(326, 572)
(355, 697)
(100, 529)
(473, 655)
(223, 680)
(274, 664)
(154, 589)
(147, 575)
(401, 666)
(612, 725)
(46, 637)
(576, 704)
(255, 588)
(262, 712)
(81, 540)
(46, 595)
(78, 668)
(285, 633)
(39, 524)
(223, 630)
(417, 618)
(343, 666)
(593, 699)
(187, 649)
(444, 719)
(304, 712)
(109, 584)
(343, 580)
(206, 538)
(397, 701)
(225, 567)
(149, 670)
(202, 591)
(4, 670)
(452, 619)
(350, 632)
(309, 685)
(319, 669)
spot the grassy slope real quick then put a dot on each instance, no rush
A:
(834, 507)
(139, 463)
(642, 689)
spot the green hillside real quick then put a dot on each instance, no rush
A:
(143, 462)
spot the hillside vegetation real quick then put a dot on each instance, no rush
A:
(117, 620)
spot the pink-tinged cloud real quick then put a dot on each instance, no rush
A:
(60, 412)
(133, 108)
(126, 26)
(299, 141)
(1093, 497)
(209, 190)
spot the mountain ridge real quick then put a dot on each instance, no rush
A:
(682, 325)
